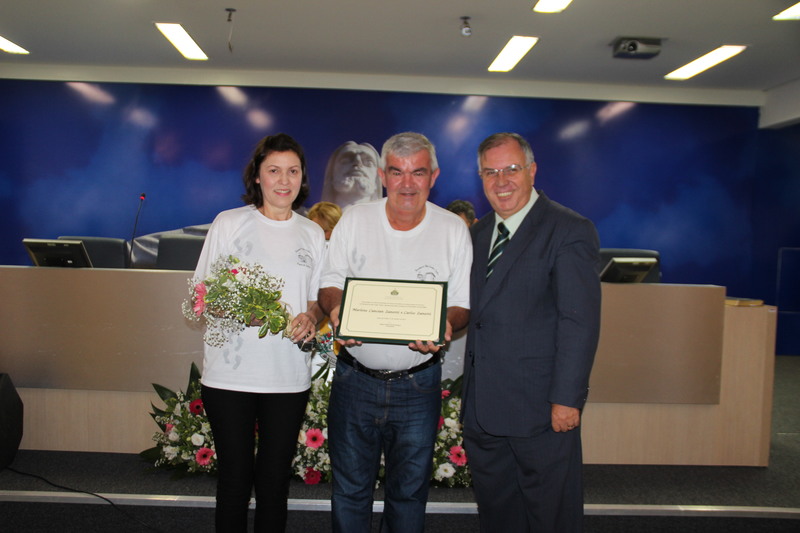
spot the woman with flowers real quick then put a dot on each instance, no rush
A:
(255, 382)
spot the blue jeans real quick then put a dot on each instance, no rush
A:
(367, 416)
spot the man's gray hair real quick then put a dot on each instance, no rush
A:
(493, 141)
(407, 144)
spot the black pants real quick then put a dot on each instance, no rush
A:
(235, 417)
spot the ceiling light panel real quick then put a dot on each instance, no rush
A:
(703, 63)
(551, 6)
(11, 48)
(512, 53)
(791, 13)
(181, 40)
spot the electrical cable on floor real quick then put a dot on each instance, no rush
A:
(70, 489)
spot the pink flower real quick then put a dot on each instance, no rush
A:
(458, 456)
(445, 393)
(314, 438)
(168, 428)
(196, 407)
(234, 271)
(199, 298)
(312, 477)
(204, 456)
(441, 423)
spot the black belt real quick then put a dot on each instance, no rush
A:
(385, 375)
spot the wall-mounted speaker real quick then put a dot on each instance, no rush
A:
(10, 421)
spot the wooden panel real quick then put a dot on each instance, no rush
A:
(88, 421)
(96, 329)
(115, 332)
(734, 432)
(659, 344)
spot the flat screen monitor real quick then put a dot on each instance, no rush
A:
(57, 253)
(627, 269)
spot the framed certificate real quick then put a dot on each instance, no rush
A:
(393, 311)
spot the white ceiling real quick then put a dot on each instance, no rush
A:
(413, 38)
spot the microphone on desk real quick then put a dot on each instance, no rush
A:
(133, 233)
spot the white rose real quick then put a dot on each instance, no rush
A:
(198, 439)
(173, 436)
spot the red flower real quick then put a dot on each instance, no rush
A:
(312, 477)
(441, 423)
(234, 271)
(445, 393)
(458, 456)
(314, 438)
(196, 407)
(204, 456)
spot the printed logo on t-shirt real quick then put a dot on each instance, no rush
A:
(304, 258)
(427, 273)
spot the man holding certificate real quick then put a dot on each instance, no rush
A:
(396, 286)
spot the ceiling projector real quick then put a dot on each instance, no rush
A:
(636, 47)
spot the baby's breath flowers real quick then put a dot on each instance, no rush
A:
(234, 296)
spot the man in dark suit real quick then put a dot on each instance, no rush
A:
(533, 331)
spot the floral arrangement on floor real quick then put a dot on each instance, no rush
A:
(232, 297)
(185, 440)
(311, 462)
(449, 458)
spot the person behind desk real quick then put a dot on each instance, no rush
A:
(387, 398)
(263, 383)
(533, 332)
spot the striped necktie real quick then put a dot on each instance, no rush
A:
(499, 245)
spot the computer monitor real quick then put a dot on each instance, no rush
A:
(57, 253)
(627, 269)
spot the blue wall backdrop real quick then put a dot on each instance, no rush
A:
(701, 184)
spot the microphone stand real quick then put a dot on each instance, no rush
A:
(133, 233)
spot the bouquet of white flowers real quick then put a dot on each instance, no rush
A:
(232, 297)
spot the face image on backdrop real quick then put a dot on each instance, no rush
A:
(351, 176)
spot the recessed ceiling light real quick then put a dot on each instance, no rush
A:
(510, 55)
(181, 40)
(11, 48)
(551, 6)
(790, 13)
(705, 62)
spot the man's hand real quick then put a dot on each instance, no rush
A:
(565, 418)
(457, 318)
(429, 346)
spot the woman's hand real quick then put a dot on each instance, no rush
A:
(302, 328)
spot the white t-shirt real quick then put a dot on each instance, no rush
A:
(365, 245)
(293, 250)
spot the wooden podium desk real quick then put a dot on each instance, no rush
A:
(679, 378)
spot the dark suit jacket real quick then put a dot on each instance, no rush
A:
(535, 323)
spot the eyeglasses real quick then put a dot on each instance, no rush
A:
(510, 172)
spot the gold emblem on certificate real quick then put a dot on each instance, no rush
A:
(393, 311)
